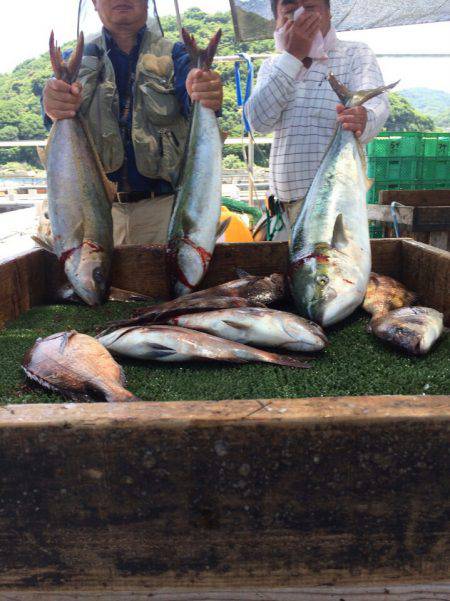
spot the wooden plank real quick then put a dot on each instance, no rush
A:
(143, 268)
(209, 496)
(416, 198)
(405, 215)
(22, 284)
(436, 592)
(429, 219)
(426, 270)
(440, 240)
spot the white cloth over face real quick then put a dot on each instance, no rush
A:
(317, 51)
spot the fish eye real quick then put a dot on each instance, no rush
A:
(97, 274)
(322, 280)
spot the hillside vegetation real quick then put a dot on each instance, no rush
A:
(20, 91)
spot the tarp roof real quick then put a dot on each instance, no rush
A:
(253, 19)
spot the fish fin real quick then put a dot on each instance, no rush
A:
(159, 350)
(288, 361)
(236, 326)
(339, 239)
(241, 273)
(66, 71)
(45, 244)
(351, 99)
(42, 154)
(201, 58)
(126, 296)
(222, 227)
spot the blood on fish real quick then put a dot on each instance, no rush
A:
(204, 255)
(68, 253)
(348, 282)
(300, 262)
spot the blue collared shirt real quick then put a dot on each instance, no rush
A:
(124, 65)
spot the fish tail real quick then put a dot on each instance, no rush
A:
(287, 361)
(203, 58)
(66, 71)
(351, 99)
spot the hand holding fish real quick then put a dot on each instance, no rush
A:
(353, 119)
(61, 100)
(206, 87)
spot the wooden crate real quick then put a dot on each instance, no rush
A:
(253, 499)
(425, 216)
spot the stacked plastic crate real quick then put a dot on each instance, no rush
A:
(407, 161)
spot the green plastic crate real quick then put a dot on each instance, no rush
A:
(436, 145)
(434, 185)
(398, 144)
(376, 229)
(437, 169)
(394, 169)
(372, 194)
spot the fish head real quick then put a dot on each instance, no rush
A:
(88, 270)
(326, 285)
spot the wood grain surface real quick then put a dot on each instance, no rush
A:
(416, 198)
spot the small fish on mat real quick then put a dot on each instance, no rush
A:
(171, 344)
(195, 218)
(413, 329)
(266, 290)
(258, 327)
(385, 294)
(167, 310)
(78, 367)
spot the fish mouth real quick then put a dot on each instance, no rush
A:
(328, 313)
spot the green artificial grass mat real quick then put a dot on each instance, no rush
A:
(355, 363)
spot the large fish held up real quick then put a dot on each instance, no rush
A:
(196, 214)
(330, 259)
(78, 367)
(78, 196)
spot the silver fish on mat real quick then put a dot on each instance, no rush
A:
(196, 214)
(414, 329)
(266, 290)
(78, 367)
(78, 196)
(172, 344)
(330, 258)
(165, 311)
(257, 327)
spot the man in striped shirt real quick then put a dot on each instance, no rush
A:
(294, 100)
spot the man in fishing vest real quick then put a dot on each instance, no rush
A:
(135, 89)
(294, 100)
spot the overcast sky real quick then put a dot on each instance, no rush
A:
(26, 26)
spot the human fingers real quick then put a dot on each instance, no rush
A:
(340, 108)
(214, 105)
(207, 86)
(57, 85)
(59, 115)
(312, 26)
(209, 95)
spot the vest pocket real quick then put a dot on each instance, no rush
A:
(160, 103)
(171, 154)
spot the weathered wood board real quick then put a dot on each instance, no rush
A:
(425, 215)
(327, 491)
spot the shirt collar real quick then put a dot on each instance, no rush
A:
(112, 44)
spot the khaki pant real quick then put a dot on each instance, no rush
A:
(282, 225)
(143, 222)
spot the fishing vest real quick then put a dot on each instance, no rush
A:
(159, 130)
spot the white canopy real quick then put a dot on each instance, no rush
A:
(253, 19)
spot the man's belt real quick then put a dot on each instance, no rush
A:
(128, 197)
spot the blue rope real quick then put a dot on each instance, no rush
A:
(248, 86)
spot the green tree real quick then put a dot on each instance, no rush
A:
(404, 117)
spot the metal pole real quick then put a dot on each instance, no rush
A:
(179, 21)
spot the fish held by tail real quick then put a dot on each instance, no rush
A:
(203, 58)
(66, 71)
(351, 99)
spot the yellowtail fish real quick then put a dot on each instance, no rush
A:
(330, 259)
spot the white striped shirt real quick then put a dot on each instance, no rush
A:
(299, 105)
